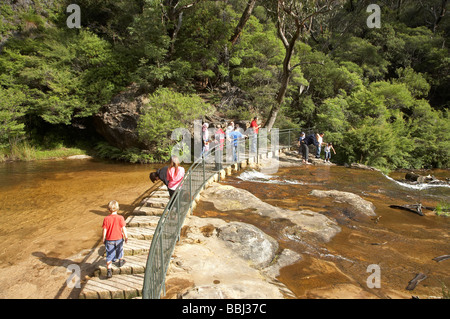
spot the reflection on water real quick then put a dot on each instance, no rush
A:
(401, 243)
(56, 208)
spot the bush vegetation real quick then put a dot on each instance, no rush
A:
(380, 95)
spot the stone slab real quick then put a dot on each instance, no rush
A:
(117, 287)
(133, 265)
(155, 202)
(141, 232)
(136, 246)
(147, 211)
(142, 221)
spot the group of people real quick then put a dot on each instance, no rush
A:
(232, 134)
(316, 140)
(114, 233)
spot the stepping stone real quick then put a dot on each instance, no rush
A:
(155, 202)
(133, 265)
(160, 194)
(141, 232)
(147, 211)
(136, 246)
(117, 287)
(142, 221)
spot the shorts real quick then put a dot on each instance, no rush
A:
(114, 249)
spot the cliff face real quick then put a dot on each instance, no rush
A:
(117, 121)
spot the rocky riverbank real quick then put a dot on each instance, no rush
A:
(220, 259)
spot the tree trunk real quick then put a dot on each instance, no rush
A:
(244, 18)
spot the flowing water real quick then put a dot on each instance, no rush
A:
(52, 210)
(400, 243)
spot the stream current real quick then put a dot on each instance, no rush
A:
(399, 243)
(53, 210)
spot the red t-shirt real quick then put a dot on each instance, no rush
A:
(254, 124)
(113, 224)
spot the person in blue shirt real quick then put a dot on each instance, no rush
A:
(235, 136)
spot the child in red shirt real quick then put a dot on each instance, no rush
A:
(114, 234)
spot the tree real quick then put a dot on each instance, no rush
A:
(294, 21)
(11, 112)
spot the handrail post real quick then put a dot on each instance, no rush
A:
(190, 190)
(162, 261)
(289, 140)
(257, 148)
(203, 164)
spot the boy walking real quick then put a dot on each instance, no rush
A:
(114, 234)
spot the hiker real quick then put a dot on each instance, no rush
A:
(205, 138)
(303, 149)
(234, 136)
(219, 138)
(175, 174)
(159, 175)
(319, 139)
(254, 125)
(114, 235)
(327, 150)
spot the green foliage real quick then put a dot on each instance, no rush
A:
(66, 74)
(380, 95)
(443, 209)
(11, 113)
(166, 111)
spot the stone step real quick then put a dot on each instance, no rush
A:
(142, 221)
(160, 194)
(141, 232)
(155, 202)
(133, 265)
(117, 287)
(136, 247)
(147, 211)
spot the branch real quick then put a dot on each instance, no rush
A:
(301, 63)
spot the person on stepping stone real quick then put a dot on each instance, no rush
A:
(114, 235)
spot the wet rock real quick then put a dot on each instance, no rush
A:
(217, 270)
(362, 166)
(285, 258)
(361, 205)
(415, 178)
(250, 243)
(226, 198)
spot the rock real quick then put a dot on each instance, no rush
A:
(79, 157)
(216, 269)
(250, 243)
(362, 166)
(286, 258)
(117, 121)
(410, 176)
(309, 223)
(362, 206)
(414, 178)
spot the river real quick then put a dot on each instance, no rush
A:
(400, 244)
(50, 211)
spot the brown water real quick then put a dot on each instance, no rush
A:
(401, 243)
(52, 210)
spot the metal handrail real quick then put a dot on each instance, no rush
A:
(168, 230)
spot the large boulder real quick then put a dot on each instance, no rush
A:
(360, 205)
(250, 243)
(117, 121)
(305, 222)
